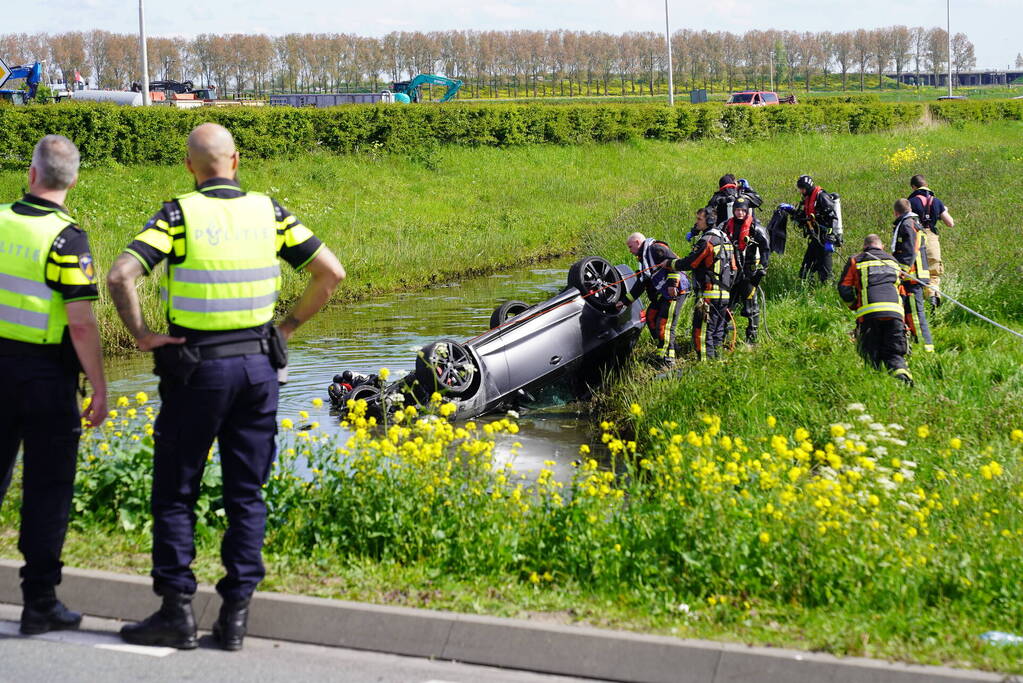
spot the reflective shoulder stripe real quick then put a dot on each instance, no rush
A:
(226, 276)
(195, 305)
(20, 285)
(19, 316)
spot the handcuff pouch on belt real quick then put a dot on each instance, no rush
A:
(176, 361)
(278, 350)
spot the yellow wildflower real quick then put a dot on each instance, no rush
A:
(764, 537)
(141, 397)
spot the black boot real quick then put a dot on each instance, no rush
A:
(229, 629)
(173, 625)
(47, 613)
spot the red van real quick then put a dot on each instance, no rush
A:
(754, 98)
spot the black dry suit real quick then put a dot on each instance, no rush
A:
(667, 292)
(870, 285)
(818, 217)
(910, 250)
(753, 251)
(719, 208)
(714, 267)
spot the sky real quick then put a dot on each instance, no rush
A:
(992, 25)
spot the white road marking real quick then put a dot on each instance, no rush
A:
(102, 641)
(137, 649)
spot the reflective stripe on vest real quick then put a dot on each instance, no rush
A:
(866, 305)
(656, 276)
(230, 277)
(29, 310)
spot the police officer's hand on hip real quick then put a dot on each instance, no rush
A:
(217, 373)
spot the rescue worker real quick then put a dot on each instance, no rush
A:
(730, 189)
(910, 251)
(753, 252)
(216, 369)
(667, 292)
(870, 286)
(713, 263)
(817, 216)
(48, 335)
(930, 211)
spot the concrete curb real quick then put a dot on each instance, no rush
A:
(510, 643)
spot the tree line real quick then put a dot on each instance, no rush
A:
(501, 63)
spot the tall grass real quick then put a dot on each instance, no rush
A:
(404, 222)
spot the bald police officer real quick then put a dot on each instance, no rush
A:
(216, 368)
(48, 334)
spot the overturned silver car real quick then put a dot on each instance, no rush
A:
(572, 340)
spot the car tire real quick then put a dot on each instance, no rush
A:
(598, 281)
(447, 366)
(366, 392)
(506, 311)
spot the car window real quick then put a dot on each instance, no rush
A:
(740, 98)
(770, 97)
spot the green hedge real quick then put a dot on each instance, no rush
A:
(858, 98)
(960, 111)
(107, 133)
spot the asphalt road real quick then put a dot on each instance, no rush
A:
(96, 653)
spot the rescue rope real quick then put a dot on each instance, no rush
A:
(962, 305)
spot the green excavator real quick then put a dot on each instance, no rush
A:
(408, 91)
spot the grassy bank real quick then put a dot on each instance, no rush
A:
(757, 506)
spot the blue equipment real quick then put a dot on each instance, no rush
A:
(32, 74)
(411, 88)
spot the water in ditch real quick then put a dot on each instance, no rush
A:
(387, 331)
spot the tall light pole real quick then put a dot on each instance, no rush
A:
(667, 40)
(948, 18)
(145, 58)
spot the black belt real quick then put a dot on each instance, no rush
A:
(12, 347)
(229, 350)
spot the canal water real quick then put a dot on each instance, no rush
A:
(387, 331)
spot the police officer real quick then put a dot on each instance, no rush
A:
(818, 217)
(930, 210)
(753, 253)
(216, 368)
(48, 334)
(910, 250)
(870, 286)
(667, 292)
(713, 263)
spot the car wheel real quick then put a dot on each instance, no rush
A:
(448, 367)
(366, 392)
(598, 281)
(506, 311)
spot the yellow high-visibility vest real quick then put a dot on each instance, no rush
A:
(29, 310)
(230, 277)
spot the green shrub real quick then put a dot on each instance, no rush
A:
(109, 134)
(981, 111)
(825, 100)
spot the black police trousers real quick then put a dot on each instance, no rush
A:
(882, 341)
(233, 400)
(816, 260)
(40, 412)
